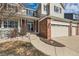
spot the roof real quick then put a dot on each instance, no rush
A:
(16, 17)
(63, 19)
(62, 4)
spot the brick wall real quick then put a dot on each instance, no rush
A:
(77, 30)
(45, 28)
(70, 29)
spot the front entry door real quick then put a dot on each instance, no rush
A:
(30, 26)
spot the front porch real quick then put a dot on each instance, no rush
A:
(27, 23)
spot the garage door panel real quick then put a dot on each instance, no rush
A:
(59, 31)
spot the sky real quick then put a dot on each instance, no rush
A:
(69, 7)
(32, 6)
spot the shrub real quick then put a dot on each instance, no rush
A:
(23, 32)
(14, 33)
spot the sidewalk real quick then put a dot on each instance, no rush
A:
(71, 46)
(70, 42)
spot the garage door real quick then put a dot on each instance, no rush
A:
(73, 31)
(58, 31)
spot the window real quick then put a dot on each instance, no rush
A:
(5, 24)
(76, 16)
(29, 12)
(46, 7)
(57, 9)
(10, 24)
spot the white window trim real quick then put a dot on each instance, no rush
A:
(59, 9)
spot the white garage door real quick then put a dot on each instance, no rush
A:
(73, 31)
(59, 31)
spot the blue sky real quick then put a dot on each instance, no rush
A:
(69, 7)
(33, 6)
(72, 8)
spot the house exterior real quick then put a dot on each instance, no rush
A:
(52, 10)
(55, 25)
(16, 16)
(47, 21)
(72, 16)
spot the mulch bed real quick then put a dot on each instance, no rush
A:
(52, 42)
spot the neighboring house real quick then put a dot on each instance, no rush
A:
(71, 16)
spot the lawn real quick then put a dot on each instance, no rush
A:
(19, 48)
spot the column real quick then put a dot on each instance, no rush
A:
(2, 24)
(19, 27)
(35, 26)
(70, 29)
(77, 29)
(49, 29)
(26, 24)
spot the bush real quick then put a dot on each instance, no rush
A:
(23, 32)
(14, 33)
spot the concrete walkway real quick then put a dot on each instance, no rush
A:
(57, 51)
(70, 42)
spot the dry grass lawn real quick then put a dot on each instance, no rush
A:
(18, 48)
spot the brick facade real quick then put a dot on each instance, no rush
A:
(45, 28)
(77, 30)
(70, 29)
(23, 23)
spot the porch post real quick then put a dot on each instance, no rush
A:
(35, 26)
(19, 27)
(2, 24)
(77, 29)
(26, 24)
(70, 28)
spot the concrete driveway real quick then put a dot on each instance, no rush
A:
(71, 45)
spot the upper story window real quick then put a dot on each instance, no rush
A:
(29, 12)
(57, 9)
(75, 16)
(46, 8)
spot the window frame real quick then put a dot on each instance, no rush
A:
(45, 7)
(8, 24)
(57, 9)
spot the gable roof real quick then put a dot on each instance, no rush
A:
(62, 4)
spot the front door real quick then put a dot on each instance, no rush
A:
(30, 26)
